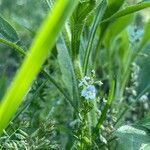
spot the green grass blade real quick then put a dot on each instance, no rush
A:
(128, 10)
(39, 51)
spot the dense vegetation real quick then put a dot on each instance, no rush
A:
(74, 75)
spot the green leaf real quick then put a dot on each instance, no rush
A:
(78, 21)
(98, 17)
(146, 36)
(128, 10)
(130, 138)
(3, 86)
(43, 42)
(67, 37)
(144, 41)
(66, 66)
(115, 28)
(113, 6)
(7, 31)
(123, 44)
(68, 73)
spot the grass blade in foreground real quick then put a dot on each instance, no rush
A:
(39, 50)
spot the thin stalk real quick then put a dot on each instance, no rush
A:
(104, 112)
(131, 104)
(14, 46)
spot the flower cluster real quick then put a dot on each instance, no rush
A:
(88, 90)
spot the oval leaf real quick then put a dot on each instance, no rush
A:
(131, 138)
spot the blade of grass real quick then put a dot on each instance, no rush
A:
(128, 10)
(39, 51)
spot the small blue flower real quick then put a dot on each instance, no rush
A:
(89, 93)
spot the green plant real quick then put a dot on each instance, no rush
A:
(94, 50)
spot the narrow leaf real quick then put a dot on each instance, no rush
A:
(67, 70)
(7, 31)
(128, 10)
(146, 36)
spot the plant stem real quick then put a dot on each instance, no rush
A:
(14, 46)
(104, 112)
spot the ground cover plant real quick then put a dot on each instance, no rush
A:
(74, 74)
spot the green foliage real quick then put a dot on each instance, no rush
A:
(42, 43)
(98, 17)
(7, 31)
(92, 92)
(78, 21)
(129, 10)
(146, 35)
(67, 72)
(132, 138)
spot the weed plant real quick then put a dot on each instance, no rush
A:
(79, 80)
